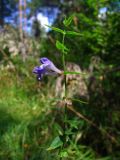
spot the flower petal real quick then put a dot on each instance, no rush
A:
(39, 70)
(45, 60)
(49, 65)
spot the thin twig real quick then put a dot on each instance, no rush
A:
(93, 124)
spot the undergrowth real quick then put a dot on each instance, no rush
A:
(28, 126)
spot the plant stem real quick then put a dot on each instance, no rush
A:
(65, 82)
(64, 65)
(65, 89)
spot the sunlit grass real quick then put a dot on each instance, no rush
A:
(21, 116)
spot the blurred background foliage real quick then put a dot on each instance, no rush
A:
(30, 118)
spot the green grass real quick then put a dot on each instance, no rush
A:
(21, 118)
(27, 120)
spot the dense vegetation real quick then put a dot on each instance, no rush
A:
(36, 123)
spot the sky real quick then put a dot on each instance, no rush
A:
(45, 16)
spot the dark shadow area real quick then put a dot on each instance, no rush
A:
(6, 120)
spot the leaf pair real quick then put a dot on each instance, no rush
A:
(65, 32)
(68, 21)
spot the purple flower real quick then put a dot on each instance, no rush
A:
(46, 68)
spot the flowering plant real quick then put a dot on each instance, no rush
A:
(46, 68)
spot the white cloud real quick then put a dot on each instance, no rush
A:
(43, 20)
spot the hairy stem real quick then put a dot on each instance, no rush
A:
(65, 89)
(65, 82)
(64, 65)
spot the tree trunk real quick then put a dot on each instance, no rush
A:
(2, 13)
(25, 17)
(20, 20)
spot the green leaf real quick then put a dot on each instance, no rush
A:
(74, 123)
(55, 143)
(64, 154)
(73, 33)
(77, 100)
(61, 46)
(68, 21)
(58, 128)
(67, 72)
(56, 29)
(69, 132)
